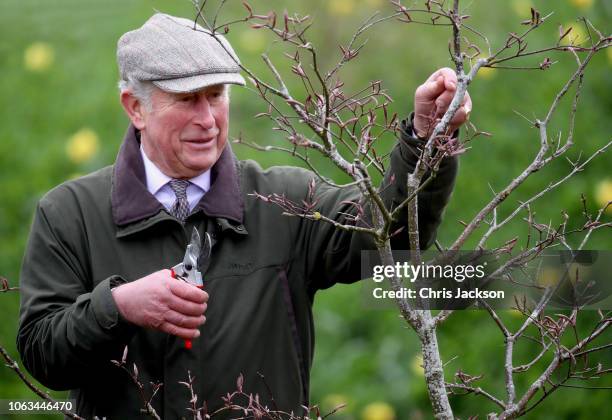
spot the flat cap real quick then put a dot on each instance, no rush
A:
(176, 56)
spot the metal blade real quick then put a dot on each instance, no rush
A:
(196, 243)
(195, 246)
(192, 254)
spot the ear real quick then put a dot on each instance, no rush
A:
(134, 109)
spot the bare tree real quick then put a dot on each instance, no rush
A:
(344, 128)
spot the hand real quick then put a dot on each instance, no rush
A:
(160, 302)
(432, 99)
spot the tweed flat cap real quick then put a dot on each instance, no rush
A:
(169, 52)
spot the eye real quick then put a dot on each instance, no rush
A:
(186, 98)
(216, 93)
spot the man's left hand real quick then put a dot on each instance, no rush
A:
(432, 99)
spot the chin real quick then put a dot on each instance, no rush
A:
(200, 167)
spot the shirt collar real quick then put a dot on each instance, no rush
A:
(202, 181)
(156, 179)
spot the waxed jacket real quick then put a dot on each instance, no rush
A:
(104, 229)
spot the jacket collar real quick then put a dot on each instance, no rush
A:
(132, 202)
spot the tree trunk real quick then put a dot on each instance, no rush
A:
(432, 366)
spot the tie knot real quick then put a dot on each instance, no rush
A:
(179, 186)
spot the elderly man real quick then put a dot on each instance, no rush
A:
(95, 275)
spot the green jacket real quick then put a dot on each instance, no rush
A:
(106, 228)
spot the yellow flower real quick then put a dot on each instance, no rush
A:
(378, 411)
(483, 72)
(38, 57)
(603, 194)
(316, 215)
(582, 4)
(253, 40)
(515, 313)
(334, 400)
(522, 8)
(486, 73)
(576, 272)
(548, 277)
(341, 7)
(416, 365)
(82, 145)
(578, 35)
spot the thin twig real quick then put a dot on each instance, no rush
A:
(477, 391)
(15, 367)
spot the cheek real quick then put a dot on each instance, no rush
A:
(223, 125)
(170, 128)
(222, 116)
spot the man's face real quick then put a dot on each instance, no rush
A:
(185, 133)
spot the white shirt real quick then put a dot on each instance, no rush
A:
(157, 184)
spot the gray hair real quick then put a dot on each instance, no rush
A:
(140, 89)
(143, 90)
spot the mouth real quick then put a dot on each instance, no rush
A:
(200, 144)
(200, 140)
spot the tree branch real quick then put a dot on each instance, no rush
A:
(10, 363)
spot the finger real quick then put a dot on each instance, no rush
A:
(183, 321)
(445, 72)
(459, 118)
(188, 291)
(430, 90)
(450, 83)
(443, 101)
(448, 76)
(186, 307)
(185, 333)
(467, 103)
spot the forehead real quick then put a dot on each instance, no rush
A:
(207, 89)
(162, 98)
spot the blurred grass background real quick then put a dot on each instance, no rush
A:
(61, 118)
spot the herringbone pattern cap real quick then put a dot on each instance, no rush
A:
(177, 56)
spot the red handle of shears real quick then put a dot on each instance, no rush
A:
(188, 343)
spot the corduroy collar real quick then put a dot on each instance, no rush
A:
(132, 202)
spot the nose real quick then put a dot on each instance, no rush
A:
(203, 113)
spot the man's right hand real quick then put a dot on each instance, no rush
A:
(163, 303)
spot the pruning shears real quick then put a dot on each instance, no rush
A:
(187, 270)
